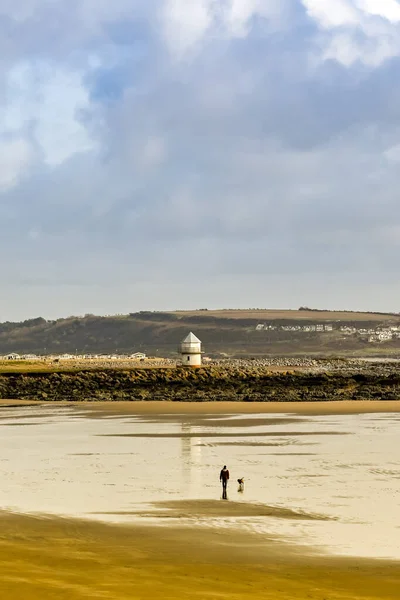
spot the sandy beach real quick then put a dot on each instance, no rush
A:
(149, 524)
(228, 408)
(43, 558)
(232, 408)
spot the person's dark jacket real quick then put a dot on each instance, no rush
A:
(224, 475)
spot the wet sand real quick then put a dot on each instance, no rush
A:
(231, 408)
(154, 407)
(194, 509)
(43, 558)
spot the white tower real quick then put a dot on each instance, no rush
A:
(190, 350)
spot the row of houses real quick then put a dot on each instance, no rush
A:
(378, 334)
(372, 334)
(57, 357)
(14, 356)
(320, 328)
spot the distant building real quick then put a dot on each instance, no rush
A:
(138, 356)
(190, 351)
(12, 356)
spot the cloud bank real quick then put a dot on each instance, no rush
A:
(175, 154)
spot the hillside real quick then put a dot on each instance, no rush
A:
(231, 332)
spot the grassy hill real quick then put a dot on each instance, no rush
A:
(303, 314)
(230, 332)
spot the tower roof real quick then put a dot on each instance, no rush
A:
(191, 339)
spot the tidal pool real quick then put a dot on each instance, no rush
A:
(158, 468)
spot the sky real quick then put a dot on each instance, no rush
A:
(182, 154)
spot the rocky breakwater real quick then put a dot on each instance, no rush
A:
(209, 383)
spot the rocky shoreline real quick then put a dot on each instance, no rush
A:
(241, 383)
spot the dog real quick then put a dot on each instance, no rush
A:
(241, 484)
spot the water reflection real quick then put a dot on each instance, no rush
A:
(186, 453)
(191, 457)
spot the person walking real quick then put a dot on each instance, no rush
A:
(224, 478)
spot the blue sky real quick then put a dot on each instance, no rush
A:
(162, 154)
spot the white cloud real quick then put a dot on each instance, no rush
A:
(15, 156)
(239, 13)
(338, 13)
(364, 31)
(387, 9)
(47, 101)
(345, 48)
(332, 13)
(187, 22)
(60, 131)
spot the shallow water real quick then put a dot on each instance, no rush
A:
(346, 467)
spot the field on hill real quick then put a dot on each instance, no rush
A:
(272, 315)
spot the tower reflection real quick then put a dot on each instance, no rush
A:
(191, 459)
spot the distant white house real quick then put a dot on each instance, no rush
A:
(346, 330)
(12, 356)
(138, 356)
